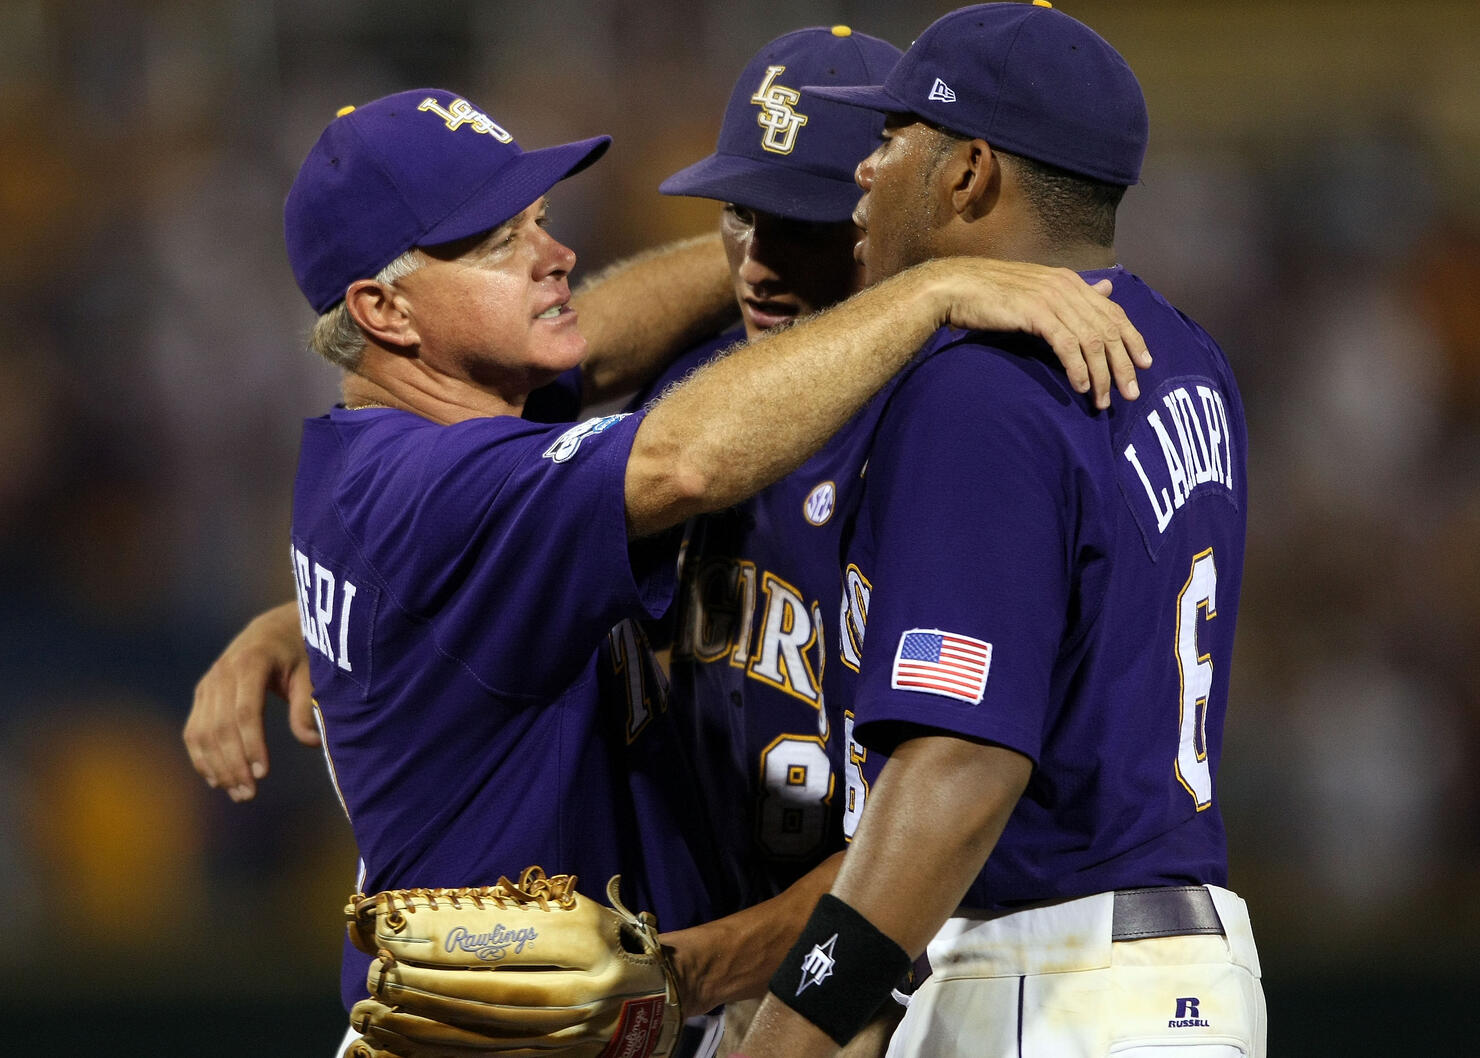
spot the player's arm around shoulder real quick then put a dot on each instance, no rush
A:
(640, 312)
(746, 420)
(224, 734)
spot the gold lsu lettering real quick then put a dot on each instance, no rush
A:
(777, 115)
(460, 112)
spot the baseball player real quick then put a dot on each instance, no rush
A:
(753, 614)
(1038, 610)
(748, 629)
(469, 582)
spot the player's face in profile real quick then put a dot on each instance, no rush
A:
(783, 269)
(898, 213)
(492, 309)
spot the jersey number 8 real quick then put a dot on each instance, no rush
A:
(796, 785)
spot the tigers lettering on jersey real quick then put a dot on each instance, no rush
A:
(853, 616)
(755, 621)
(1181, 446)
(642, 681)
(335, 615)
(777, 115)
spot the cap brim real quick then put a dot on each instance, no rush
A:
(513, 187)
(870, 97)
(783, 190)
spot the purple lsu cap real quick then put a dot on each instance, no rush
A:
(416, 168)
(784, 150)
(1025, 78)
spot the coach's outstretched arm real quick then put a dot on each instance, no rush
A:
(642, 311)
(754, 416)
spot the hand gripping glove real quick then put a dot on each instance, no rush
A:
(529, 969)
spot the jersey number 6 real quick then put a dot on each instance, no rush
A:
(1195, 673)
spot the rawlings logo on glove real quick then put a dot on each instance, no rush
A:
(516, 969)
(490, 947)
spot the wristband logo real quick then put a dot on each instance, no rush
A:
(817, 964)
(493, 945)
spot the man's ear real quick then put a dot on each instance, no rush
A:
(382, 313)
(975, 177)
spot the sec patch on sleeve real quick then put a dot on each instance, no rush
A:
(939, 662)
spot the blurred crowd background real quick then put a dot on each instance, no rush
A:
(1310, 195)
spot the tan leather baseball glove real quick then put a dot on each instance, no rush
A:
(516, 969)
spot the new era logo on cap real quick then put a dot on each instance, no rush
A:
(1027, 79)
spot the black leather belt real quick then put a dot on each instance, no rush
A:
(1140, 914)
(1165, 911)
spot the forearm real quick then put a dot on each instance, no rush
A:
(639, 313)
(224, 733)
(914, 817)
(281, 623)
(732, 958)
(755, 415)
(744, 421)
(941, 801)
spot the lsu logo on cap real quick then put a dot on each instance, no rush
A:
(460, 112)
(778, 116)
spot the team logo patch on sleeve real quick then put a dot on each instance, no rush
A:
(939, 662)
(569, 443)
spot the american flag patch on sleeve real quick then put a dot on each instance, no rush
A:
(942, 663)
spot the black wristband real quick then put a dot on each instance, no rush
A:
(840, 971)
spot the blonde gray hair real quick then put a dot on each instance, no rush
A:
(337, 337)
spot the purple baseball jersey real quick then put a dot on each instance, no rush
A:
(753, 625)
(488, 700)
(1065, 583)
